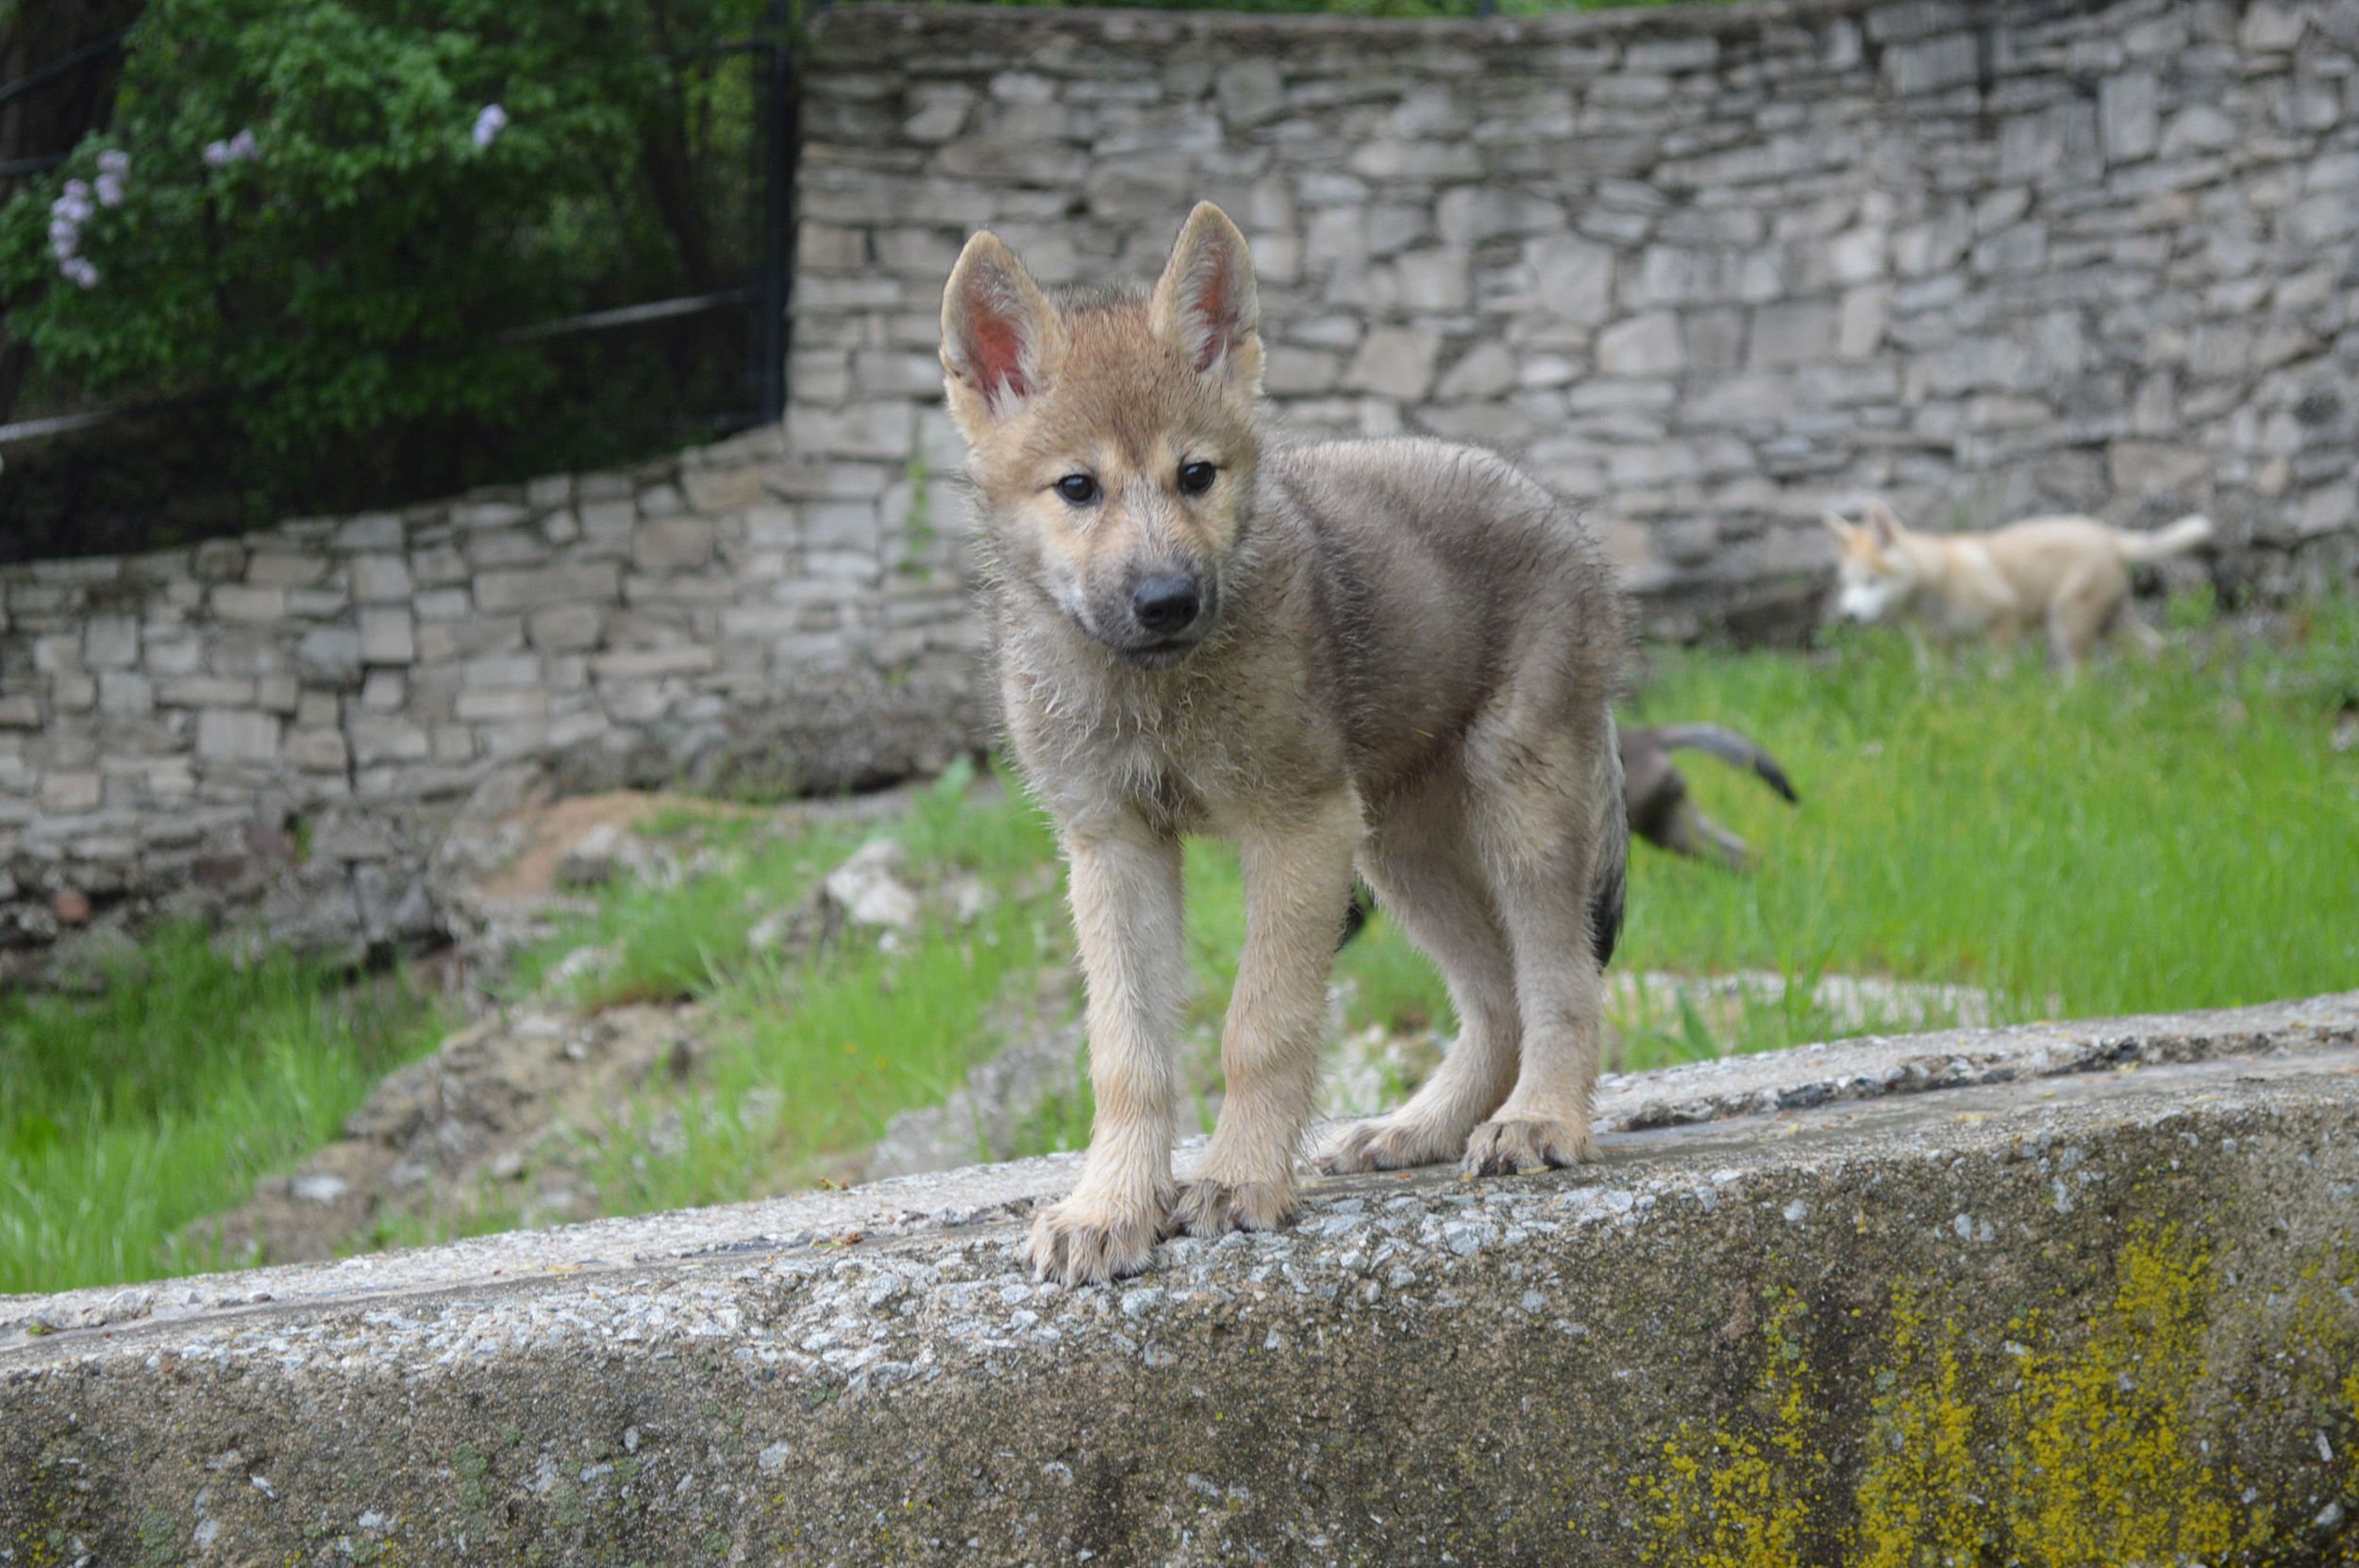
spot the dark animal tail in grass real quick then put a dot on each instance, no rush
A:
(1659, 809)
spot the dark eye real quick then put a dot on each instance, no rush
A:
(1197, 477)
(1080, 489)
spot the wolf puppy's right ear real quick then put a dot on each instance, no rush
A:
(999, 336)
(1206, 305)
(1841, 528)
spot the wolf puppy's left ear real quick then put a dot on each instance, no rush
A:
(1881, 519)
(1205, 304)
(999, 336)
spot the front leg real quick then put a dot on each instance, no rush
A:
(1298, 883)
(1125, 884)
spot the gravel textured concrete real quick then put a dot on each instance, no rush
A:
(2026, 1285)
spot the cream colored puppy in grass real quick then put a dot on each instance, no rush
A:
(2065, 577)
(1393, 657)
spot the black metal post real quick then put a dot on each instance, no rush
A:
(777, 214)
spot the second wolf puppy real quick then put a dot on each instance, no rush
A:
(2068, 576)
(1660, 810)
(1395, 655)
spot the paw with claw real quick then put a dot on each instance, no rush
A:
(1086, 1239)
(1387, 1143)
(1211, 1209)
(1526, 1144)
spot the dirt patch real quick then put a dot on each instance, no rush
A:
(544, 833)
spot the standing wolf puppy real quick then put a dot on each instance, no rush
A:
(1395, 655)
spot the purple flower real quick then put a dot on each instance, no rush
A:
(65, 238)
(114, 162)
(241, 148)
(74, 206)
(488, 124)
(78, 270)
(109, 188)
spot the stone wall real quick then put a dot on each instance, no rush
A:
(296, 715)
(1705, 269)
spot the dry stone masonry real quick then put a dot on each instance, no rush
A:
(1706, 270)
(300, 714)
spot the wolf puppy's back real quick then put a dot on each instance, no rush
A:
(1393, 656)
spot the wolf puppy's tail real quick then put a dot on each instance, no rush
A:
(1729, 747)
(2185, 534)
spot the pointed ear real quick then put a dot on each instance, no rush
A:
(1835, 523)
(1880, 518)
(1205, 304)
(999, 336)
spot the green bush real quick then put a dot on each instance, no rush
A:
(330, 213)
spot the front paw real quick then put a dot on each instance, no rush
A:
(1210, 1207)
(1526, 1144)
(1385, 1143)
(1084, 1241)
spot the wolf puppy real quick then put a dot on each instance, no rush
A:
(2067, 574)
(1390, 655)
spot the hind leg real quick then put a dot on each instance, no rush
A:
(1548, 832)
(2128, 622)
(1688, 832)
(1424, 868)
(1545, 1119)
(2085, 601)
(1733, 852)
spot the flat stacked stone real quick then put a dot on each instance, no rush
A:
(296, 714)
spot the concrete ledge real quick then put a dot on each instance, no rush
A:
(2093, 1279)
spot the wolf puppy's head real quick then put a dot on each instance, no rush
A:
(1875, 572)
(1114, 435)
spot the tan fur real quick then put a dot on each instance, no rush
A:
(2067, 577)
(1394, 654)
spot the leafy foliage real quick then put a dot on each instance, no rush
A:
(333, 213)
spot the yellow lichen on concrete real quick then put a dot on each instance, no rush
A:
(2101, 1467)
(1742, 1494)
(2066, 1446)
(1923, 1499)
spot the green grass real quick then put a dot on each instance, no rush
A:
(2167, 836)
(2174, 835)
(2180, 835)
(809, 1055)
(2153, 836)
(131, 1115)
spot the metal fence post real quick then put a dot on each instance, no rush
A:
(778, 212)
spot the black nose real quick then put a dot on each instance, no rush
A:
(1164, 605)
